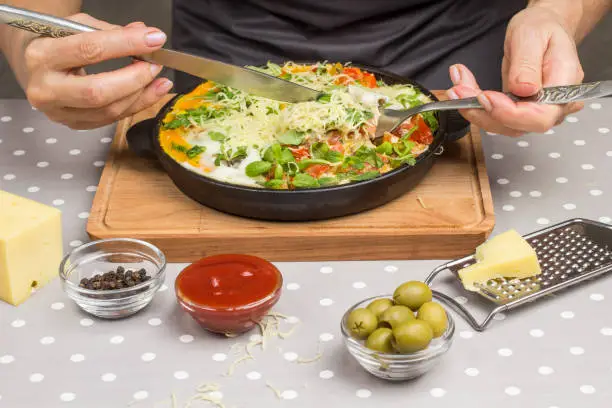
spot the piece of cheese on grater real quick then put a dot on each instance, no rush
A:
(508, 255)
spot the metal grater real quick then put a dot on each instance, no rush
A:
(568, 252)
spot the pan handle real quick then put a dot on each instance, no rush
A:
(139, 138)
(456, 126)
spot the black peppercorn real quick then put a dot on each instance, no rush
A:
(120, 269)
(97, 285)
(129, 282)
(97, 277)
(84, 281)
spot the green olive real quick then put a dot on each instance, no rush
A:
(395, 315)
(378, 306)
(434, 314)
(412, 294)
(412, 336)
(381, 340)
(361, 322)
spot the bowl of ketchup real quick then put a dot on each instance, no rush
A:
(228, 293)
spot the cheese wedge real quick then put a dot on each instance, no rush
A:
(30, 246)
(508, 255)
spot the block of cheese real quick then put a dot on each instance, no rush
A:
(30, 246)
(507, 255)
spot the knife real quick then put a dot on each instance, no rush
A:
(247, 80)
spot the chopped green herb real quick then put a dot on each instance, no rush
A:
(324, 98)
(304, 181)
(328, 181)
(291, 137)
(309, 162)
(195, 151)
(257, 168)
(278, 172)
(178, 148)
(430, 119)
(366, 176)
(276, 184)
(216, 136)
(385, 148)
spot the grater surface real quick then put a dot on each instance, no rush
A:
(568, 253)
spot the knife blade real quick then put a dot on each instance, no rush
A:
(244, 79)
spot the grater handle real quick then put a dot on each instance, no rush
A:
(459, 308)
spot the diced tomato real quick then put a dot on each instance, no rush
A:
(338, 147)
(300, 152)
(368, 80)
(316, 170)
(354, 73)
(423, 133)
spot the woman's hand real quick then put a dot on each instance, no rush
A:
(539, 51)
(56, 83)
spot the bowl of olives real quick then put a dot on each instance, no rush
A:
(399, 336)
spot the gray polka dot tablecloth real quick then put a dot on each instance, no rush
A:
(553, 353)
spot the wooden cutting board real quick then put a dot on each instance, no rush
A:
(446, 216)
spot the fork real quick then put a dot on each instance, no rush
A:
(391, 119)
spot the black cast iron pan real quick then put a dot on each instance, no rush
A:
(305, 204)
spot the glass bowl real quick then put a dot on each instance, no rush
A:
(98, 257)
(396, 367)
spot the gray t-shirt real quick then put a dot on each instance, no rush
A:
(415, 38)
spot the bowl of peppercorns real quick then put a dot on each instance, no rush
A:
(113, 278)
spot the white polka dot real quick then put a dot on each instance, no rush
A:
(293, 286)
(86, 322)
(147, 357)
(609, 153)
(391, 269)
(58, 202)
(186, 338)
(293, 320)
(91, 189)
(77, 358)
(503, 181)
(543, 221)
(595, 193)
(554, 155)
(603, 130)
(326, 374)
(116, 339)
(529, 167)
(576, 351)
(66, 176)
(499, 316)
(587, 166)
(462, 300)
(181, 375)
(579, 142)
(504, 352)
(544, 370)
(512, 391)
(508, 207)
(567, 315)
(75, 243)
(515, 194)
(363, 393)
(466, 334)
(68, 396)
(7, 359)
(6, 119)
(437, 392)
(497, 156)
(359, 285)
(106, 140)
(326, 269)
(606, 331)
(140, 395)
(155, 321)
(9, 177)
(27, 130)
(290, 356)
(57, 306)
(549, 132)
(163, 288)
(536, 333)
(47, 340)
(326, 302)
(51, 140)
(535, 193)
(219, 357)
(216, 395)
(98, 163)
(572, 119)
(36, 377)
(33, 189)
(326, 337)
(471, 372)
(253, 375)
(83, 215)
(18, 323)
(19, 152)
(605, 219)
(561, 180)
(42, 164)
(522, 143)
(597, 297)
(569, 206)
(74, 152)
(109, 377)
(587, 389)
(595, 106)
(289, 394)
